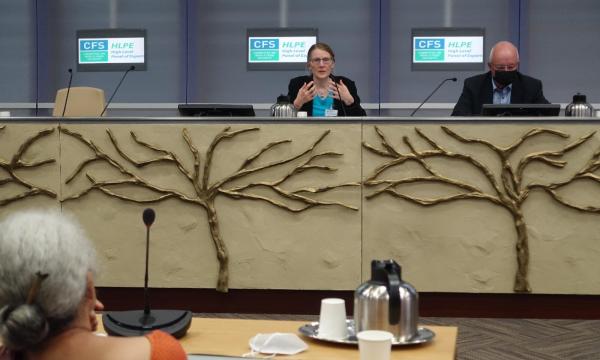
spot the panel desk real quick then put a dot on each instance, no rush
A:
(476, 206)
(231, 337)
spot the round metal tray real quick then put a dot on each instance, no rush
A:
(311, 330)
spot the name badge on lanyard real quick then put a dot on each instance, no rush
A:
(331, 112)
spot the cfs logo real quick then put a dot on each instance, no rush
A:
(429, 43)
(264, 44)
(93, 45)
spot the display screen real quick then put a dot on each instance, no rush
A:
(279, 48)
(111, 49)
(448, 48)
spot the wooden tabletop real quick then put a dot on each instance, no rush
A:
(231, 337)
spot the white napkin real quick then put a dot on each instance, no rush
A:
(276, 343)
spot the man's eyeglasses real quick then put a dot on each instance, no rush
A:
(325, 60)
(507, 67)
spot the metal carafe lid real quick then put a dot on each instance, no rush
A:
(579, 99)
(283, 99)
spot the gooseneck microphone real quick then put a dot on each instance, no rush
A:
(433, 92)
(338, 90)
(68, 90)
(140, 322)
(132, 67)
(148, 217)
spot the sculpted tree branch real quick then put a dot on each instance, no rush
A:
(586, 173)
(167, 156)
(100, 155)
(547, 157)
(509, 192)
(305, 202)
(16, 163)
(293, 200)
(267, 147)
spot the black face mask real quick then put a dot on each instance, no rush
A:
(505, 78)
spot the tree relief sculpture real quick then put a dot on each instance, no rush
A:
(509, 190)
(280, 195)
(506, 188)
(13, 170)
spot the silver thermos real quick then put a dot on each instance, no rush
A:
(283, 107)
(579, 107)
(387, 303)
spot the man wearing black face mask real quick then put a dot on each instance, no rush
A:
(503, 84)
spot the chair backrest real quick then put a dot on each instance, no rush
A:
(83, 101)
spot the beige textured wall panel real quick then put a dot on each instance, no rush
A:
(469, 245)
(565, 249)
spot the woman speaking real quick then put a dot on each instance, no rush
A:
(320, 92)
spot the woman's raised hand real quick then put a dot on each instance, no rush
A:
(305, 94)
(341, 92)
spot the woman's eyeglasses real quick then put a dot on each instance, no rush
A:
(325, 60)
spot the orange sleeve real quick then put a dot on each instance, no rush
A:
(165, 347)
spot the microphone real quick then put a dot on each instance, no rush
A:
(148, 217)
(338, 90)
(68, 90)
(140, 322)
(132, 67)
(433, 92)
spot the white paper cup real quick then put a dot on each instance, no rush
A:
(4, 113)
(302, 114)
(332, 319)
(375, 344)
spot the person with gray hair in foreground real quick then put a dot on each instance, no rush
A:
(47, 298)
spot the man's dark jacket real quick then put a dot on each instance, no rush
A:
(478, 91)
(351, 110)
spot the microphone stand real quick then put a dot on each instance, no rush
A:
(132, 67)
(338, 90)
(68, 90)
(140, 322)
(148, 217)
(433, 92)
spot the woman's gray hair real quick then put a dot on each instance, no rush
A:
(45, 242)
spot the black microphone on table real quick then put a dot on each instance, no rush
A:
(140, 322)
(68, 90)
(132, 67)
(338, 90)
(433, 92)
